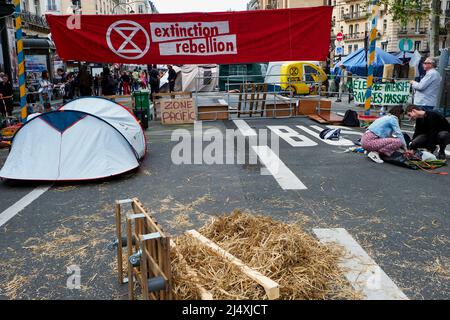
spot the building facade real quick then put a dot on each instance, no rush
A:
(283, 4)
(352, 19)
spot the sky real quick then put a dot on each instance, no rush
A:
(169, 6)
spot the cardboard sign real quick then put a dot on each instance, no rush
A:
(177, 111)
(383, 94)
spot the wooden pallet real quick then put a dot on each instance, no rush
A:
(145, 241)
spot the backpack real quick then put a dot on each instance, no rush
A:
(351, 119)
(331, 134)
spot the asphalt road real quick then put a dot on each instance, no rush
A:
(399, 216)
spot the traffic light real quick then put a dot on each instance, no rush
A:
(6, 9)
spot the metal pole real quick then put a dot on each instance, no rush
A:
(21, 62)
(371, 60)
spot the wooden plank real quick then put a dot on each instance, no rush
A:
(331, 117)
(119, 238)
(141, 209)
(160, 263)
(204, 294)
(318, 119)
(130, 267)
(271, 287)
(182, 93)
(153, 265)
(167, 265)
(144, 273)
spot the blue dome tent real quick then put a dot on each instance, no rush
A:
(356, 62)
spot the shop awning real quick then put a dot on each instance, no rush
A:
(38, 43)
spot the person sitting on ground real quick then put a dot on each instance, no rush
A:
(431, 129)
(384, 136)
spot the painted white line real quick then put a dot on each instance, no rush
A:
(345, 130)
(16, 208)
(361, 271)
(292, 137)
(284, 176)
(340, 142)
(244, 128)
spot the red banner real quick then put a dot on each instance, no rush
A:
(195, 38)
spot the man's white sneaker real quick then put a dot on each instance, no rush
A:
(375, 157)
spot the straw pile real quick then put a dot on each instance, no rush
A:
(304, 268)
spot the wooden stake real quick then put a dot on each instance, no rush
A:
(271, 287)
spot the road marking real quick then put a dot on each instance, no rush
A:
(340, 142)
(244, 128)
(16, 208)
(284, 176)
(292, 137)
(361, 271)
(345, 130)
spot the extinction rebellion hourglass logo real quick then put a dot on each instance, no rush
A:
(125, 37)
(130, 40)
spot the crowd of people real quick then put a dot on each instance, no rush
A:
(71, 85)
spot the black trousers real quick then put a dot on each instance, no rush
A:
(171, 86)
(429, 142)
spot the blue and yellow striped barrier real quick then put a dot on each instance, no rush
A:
(21, 62)
(371, 56)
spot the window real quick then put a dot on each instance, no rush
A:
(141, 8)
(355, 47)
(37, 7)
(417, 26)
(349, 49)
(25, 5)
(384, 25)
(384, 46)
(308, 72)
(417, 45)
(51, 5)
(237, 70)
(350, 29)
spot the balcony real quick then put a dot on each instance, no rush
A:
(356, 15)
(412, 32)
(355, 36)
(33, 20)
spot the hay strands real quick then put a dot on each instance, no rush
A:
(271, 288)
(204, 294)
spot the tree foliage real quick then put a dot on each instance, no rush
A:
(404, 11)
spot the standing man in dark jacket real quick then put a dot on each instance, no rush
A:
(6, 99)
(172, 78)
(108, 85)
(154, 80)
(431, 129)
